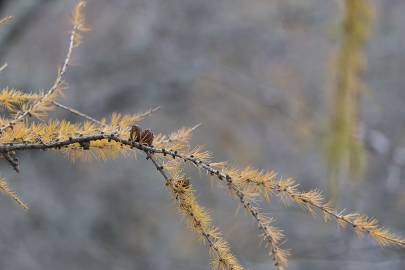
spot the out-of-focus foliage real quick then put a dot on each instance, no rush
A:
(344, 145)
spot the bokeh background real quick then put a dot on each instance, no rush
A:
(256, 74)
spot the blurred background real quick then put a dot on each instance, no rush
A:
(256, 74)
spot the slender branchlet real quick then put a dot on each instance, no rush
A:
(79, 26)
(310, 200)
(197, 217)
(200, 222)
(5, 189)
(3, 67)
(313, 200)
(74, 111)
(271, 234)
(103, 124)
(6, 19)
(266, 183)
(12, 160)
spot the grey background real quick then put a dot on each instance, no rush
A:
(255, 73)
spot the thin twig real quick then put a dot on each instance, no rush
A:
(88, 117)
(12, 160)
(3, 67)
(150, 111)
(211, 240)
(74, 111)
(165, 175)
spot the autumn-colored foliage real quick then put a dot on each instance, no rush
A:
(120, 135)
